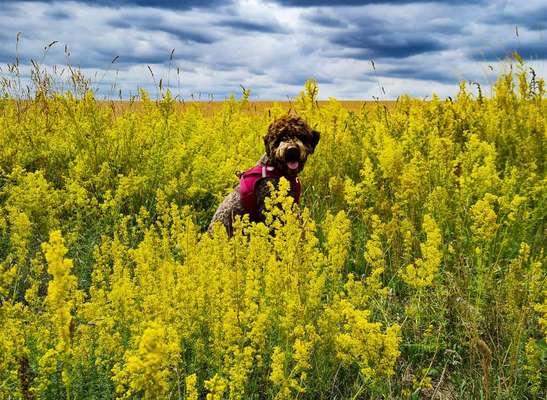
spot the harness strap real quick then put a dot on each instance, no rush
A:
(247, 185)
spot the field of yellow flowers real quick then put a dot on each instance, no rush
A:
(414, 268)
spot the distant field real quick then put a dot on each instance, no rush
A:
(254, 107)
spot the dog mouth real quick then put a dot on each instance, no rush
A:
(292, 158)
(293, 165)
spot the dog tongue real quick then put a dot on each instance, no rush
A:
(292, 164)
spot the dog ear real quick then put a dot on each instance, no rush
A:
(315, 135)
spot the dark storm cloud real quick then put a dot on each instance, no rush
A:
(387, 44)
(56, 15)
(326, 20)
(127, 58)
(528, 51)
(167, 4)
(243, 25)
(534, 19)
(158, 24)
(395, 36)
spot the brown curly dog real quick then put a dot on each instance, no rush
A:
(289, 142)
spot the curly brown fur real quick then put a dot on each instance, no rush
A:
(227, 211)
(286, 134)
(289, 142)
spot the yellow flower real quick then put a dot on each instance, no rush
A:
(484, 218)
(191, 389)
(216, 386)
(147, 369)
(423, 271)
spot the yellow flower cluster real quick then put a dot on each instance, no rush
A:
(362, 342)
(484, 218)
(147, 368)
(60, 299)
(423, 271)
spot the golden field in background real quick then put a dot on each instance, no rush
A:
(253, 107)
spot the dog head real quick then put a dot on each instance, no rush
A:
(289, 142)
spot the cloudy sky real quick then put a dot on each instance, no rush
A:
(355, 49)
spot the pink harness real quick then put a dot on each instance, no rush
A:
(247, 183)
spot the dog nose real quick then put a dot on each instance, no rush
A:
(293, 154)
